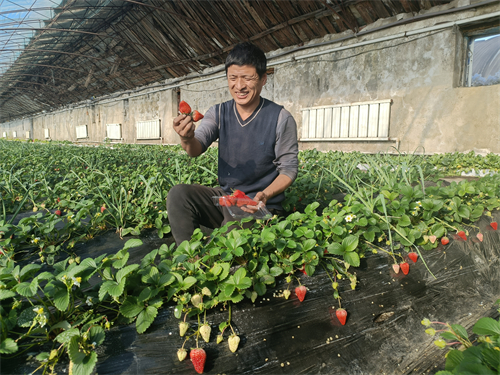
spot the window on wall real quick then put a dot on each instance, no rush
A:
(482, 60)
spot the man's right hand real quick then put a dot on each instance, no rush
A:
(184, 126)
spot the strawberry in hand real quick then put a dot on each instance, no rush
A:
(184, 108)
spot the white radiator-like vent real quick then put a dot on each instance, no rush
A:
(14, 134)
(81, 131)
(28, 135)
(4, 134)
(47, 136)
(148, 129)
(114, 131)
(347, 122)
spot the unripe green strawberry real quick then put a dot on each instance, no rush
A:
(286, 294)
(206, 292)
(183, 327)
(181, 354)
(220, 338)
(233, 341)
(196, 300)
(205, 330)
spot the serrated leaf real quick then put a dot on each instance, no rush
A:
(260, 288)
(61, 325)
(61, 299)
(352, 258)
(237, 298)
(276, 271)
(453, 359)
(5, 293)
(82, 364)
(125, 271)
(146, 318)
(134, 242)
(28, 269)
(65, 337)
(8, 346)
(116, 289)
(26, 317)
(26, 289)
(166, 279)
(460, 331)
(487, 326)
(131, 307)
(97, 335)
(188, 282)
(229, 289)
(120, 263)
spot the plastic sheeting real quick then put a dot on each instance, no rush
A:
(383, 334)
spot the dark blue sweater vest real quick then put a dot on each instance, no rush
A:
(246, 153)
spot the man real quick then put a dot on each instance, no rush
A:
(257, 148)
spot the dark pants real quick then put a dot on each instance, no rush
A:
(190, 206)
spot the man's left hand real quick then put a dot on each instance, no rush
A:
(261, 198)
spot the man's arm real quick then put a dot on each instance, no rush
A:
(278, 186)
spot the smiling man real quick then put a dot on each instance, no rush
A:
(258, 151)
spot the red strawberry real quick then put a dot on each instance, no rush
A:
(303, 270)
(184, 108)
(341, 315)
(197, 116)
(494, 225)
(102, 209)
(58, 212)
(238, 194)
(413, 256)
(198, 357)
(58, 200)
(445, 241)
(405, 267)
(462, 235)
(222, 201)
(300, 291)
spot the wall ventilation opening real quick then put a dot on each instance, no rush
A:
(28, 135)
(114, 131)
(362, 121)
(46, 133)
(81, 131)
(148, 129)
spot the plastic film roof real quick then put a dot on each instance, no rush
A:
(53, 54)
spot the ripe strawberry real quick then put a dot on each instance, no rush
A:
(58, 200)
(183, 327)
(102, 209)
(480, 237)
(300, 291)
(198, 357)
(181, 354)
(494, 225)
(238, 194)
(413, 256)
(222, 201)
(233, 341)
(184, 108)
(197, 116)
(462, 235)
(405, 267)
(341, 315)
(445, 240)
(205, 330)
(395, 267)
(58, 212)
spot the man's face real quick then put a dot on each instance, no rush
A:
(245, 85)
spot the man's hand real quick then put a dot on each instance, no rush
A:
(184, 126)
(261, 198)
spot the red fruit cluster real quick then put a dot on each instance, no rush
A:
(185, 109)
(238, 198)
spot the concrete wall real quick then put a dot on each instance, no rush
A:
(421, 73)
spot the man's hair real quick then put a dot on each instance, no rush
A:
(247, 53)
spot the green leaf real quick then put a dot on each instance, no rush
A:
(276, 271)
(8, 346)
(350, 243)
(267, 235)
(65, 336)
(244, 283)
(60, 325)
(229, 289)
(61, 299)
(28, 269)
(260, 288)
(492, 357)
(116, 289)
(26, 317)
(453, 359)
(82, 364)
(487, 326)
(131, 307)
(125, 271)
(134, 242)
(188, 282)
(404, 221)
(448, 336)
(146, 318)
(120, 263)
(97, 335)
(239, 274)
(308, 244)
(459, 330)
(335, 248)
(5, 293)
(166, 279)
(352, 258)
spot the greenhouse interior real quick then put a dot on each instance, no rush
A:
(250, 187)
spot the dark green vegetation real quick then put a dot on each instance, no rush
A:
(55, 302)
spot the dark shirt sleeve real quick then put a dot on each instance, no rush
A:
(286, 148)
(208, 130)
